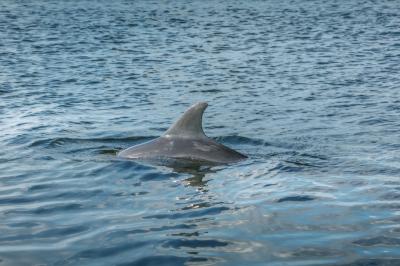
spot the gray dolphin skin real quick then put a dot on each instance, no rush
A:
(185, 140)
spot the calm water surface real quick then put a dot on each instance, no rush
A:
(309, 90)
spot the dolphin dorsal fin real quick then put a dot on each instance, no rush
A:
(190, 123)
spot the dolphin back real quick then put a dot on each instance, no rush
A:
(200, 150)
(185, 140)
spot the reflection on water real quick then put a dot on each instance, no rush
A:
(197, 175)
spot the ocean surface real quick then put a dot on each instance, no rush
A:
(309, 90)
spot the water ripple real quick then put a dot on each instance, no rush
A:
(307, 89)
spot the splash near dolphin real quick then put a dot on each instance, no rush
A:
(185, 140)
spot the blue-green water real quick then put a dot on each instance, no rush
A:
(309, 90)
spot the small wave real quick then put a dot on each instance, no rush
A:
(109, 151)
(110, 251)
(378, 241)
(372, 262)
(48, 209)
(164, 260)
(235, 139)
(298, 163)
(207, 91)
(124, 233)
(190, 214)
(58, 208)
(41, 187)
(289, 167)
(54, 142)
(374, 121)
(49, 233)
(296, 198)
(184, 243)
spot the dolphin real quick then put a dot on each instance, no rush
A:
(184, 141)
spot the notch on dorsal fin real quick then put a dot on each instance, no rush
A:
(190, 123)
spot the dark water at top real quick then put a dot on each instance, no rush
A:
(308, 89)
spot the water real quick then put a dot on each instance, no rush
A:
(309, 90)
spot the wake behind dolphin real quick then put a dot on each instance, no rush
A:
(185, 141)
